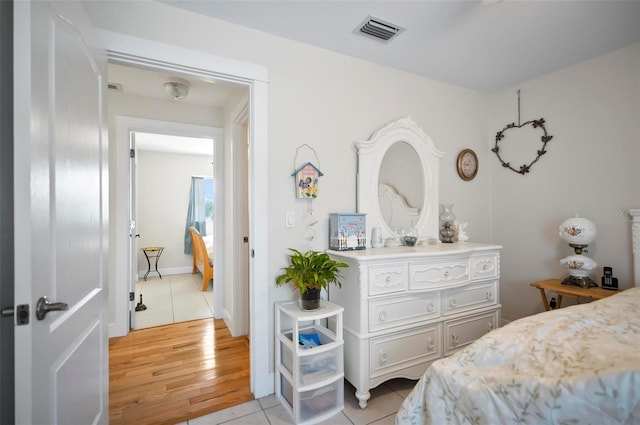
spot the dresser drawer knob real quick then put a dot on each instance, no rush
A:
(431, 343)
(489, 295)
(485, 267)
(453, 302)
(454, 338)
(446, 274)
(382, 316)
(431, 307)
(388, 279)
(383, 357)
(490, 326)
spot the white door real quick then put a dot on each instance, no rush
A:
(133, 231)
(61, 206)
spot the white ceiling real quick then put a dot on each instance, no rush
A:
(485, 45)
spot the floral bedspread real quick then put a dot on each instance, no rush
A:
(574, 365)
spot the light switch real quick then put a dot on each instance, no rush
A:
(290, 219)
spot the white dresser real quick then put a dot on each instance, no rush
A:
(408, 306)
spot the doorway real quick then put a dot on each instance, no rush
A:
(124, 49)
(172, 187)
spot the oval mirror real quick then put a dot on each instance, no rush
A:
(400, 186)
(399, 162)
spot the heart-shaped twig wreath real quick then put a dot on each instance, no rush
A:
(525, 168)
(545, 138)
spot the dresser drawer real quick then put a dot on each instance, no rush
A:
(399, 310)
(435, 275)
(485, 266)
(471, 296)
(404, 349)
(461, 332)
(387, 278)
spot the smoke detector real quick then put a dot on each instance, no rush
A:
(378, 29)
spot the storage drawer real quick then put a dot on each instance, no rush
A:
(436, 275)
(404, 349)
(399, 310)
(313, 403)
(471, 296)
(461, 332)
(314, 364)
(485, 266)
(387, 278)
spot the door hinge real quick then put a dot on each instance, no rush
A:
(132, 153)
(132, 296)
(253, 253)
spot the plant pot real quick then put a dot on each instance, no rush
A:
(310, 300)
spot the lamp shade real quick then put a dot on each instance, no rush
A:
(579, 265)
(578, 231)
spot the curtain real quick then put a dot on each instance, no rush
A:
(196, 213)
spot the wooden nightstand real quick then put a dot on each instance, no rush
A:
(556, 286)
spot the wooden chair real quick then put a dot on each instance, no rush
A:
(201, 261)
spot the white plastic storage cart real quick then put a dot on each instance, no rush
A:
(309, 361)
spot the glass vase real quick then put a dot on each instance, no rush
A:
(447, 220)
(446, 213)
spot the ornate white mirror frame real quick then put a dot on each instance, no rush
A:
(370, 156)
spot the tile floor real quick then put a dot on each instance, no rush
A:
(381, 410)
(172, 299)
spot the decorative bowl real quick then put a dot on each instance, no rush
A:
(409, 240)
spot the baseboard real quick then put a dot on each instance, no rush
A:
(166, 272)
(115, 331)
(263, 389)
(228, 321)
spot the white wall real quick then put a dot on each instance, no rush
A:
(593, 112)
(164, 184)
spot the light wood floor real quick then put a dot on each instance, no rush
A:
(168, 374)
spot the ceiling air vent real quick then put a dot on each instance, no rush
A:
(378, 29)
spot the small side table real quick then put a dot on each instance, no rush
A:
(556, 286)
(152, 252)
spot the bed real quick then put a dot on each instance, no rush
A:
(574, 365)
(202, 256)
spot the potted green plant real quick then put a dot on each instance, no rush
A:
(310, 272)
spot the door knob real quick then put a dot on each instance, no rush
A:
(44, 306)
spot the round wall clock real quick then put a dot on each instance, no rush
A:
(467, 164)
